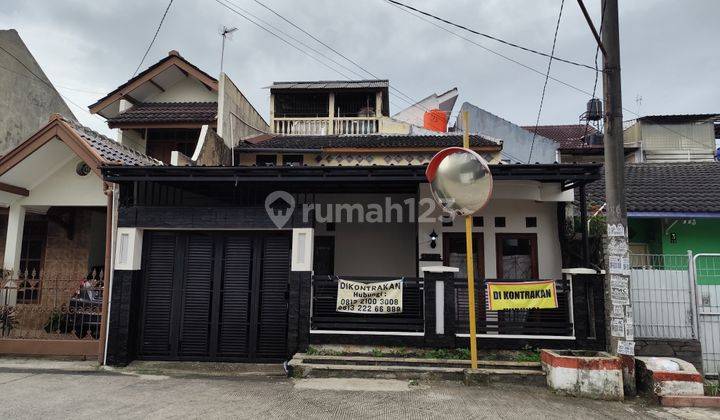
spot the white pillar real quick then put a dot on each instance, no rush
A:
(13, 246)
(13, 240)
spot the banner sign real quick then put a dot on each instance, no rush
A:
(521, 295)
(370, 298)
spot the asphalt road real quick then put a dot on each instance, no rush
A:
(28, 394)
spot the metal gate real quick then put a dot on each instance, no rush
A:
(678, 297)
(706, 270)
(219, 296)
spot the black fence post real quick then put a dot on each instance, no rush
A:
(439, 327)
(298, 312)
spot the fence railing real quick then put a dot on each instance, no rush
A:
(51, 306)
(326, 318)
(661, 291)
(324, 125)
(527, 322)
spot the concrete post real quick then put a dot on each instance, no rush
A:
(331, 114)
(13, 247)
(13, 240)
(439, 317)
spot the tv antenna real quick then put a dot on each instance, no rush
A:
(224, 34)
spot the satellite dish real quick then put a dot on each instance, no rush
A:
(460, 180)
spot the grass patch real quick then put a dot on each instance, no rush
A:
(527, 354)
(712, 388)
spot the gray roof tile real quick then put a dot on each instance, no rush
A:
(688, 187)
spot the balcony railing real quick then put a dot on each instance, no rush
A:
(325, 126)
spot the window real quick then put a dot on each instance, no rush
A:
(531, 222)
(455, 254)
(265, 160)
(161, 142)
(292, 160)
(499, 222)
(32, 253)
(516, 256)
(478, 221)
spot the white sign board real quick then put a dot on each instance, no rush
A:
(370, 298)
(626, 347)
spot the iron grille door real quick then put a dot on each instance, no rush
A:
(160, 259)
(272, 297)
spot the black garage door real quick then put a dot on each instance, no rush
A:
(215, 296)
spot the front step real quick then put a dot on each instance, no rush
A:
(489, 371)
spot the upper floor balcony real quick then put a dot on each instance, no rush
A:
(326, 108)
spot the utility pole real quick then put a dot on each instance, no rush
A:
(618, 309)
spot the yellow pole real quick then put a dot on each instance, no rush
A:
(469, 258)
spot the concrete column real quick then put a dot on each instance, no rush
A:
(13, 240)
(331, 114)
(378, 104)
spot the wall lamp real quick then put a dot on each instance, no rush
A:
(433, 239)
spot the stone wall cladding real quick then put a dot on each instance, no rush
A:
(688, 350)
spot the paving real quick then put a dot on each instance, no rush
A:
(49, 389)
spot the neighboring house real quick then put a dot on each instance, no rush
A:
(165, 107)
(28, 97)
(244, 238)
(579, 143)
(54, 247)
(673, 138)
(415, 113)
(673, 207)
(517, 143)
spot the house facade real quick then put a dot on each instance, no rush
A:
(659, 222)
(169, 108)
(673, 138)
(56, 239)
(241, 261)
(226, 242)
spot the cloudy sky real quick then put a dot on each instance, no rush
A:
(669, 49)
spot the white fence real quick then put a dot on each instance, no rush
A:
(706, 271)
(678, 297)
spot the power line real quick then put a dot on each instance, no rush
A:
(547, 75)
(494, 38)
(40, 79)
(293, 38)
(244, 14)
(153, 38)
(532, 69)
(414, 101)
(220, 2)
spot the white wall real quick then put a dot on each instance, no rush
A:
(64, 187)
(187, 89)
(515, 211)
(371, 249)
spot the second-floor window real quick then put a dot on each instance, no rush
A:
(266, 160)
(161, 142)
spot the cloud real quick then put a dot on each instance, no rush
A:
(668, 49)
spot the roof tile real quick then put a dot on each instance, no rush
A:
(372, 141)
(168, 112)
(112, 152)
(689, 187)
